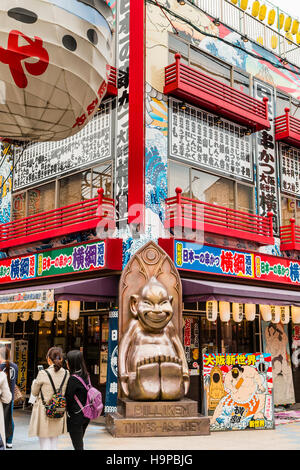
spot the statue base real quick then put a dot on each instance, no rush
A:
(161, 418)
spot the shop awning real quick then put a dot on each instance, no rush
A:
(102, 289)
(201, 291)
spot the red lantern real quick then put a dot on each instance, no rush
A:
(55, 59)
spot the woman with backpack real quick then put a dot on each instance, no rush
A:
(5, 398)
(48, 419)
(83, 401)
(11, 371)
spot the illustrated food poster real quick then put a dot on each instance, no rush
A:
(275, 342)
(238, 391)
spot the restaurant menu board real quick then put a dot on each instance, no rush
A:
(219, 145)
(238, 391)
(191, 344)
(290, 169)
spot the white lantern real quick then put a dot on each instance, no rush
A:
(295, 314)
(275, 312)
(224, 309)
(265, 311)
(13, 317)
(62, 310)
(74, 309)
(24, 316)
(36, 316)
(250, 310)
(211, 310)
(3, 317)
(48, 316)
(55, 60)
(285, 314)
(237, 312)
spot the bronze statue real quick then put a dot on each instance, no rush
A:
(152, 363)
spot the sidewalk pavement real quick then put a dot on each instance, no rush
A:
(283, 437)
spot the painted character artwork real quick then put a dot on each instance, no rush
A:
(239, 391)
(55, 58)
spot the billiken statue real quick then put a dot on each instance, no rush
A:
(152, 363)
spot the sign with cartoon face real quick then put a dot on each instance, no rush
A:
(55, 58)
(238, 389)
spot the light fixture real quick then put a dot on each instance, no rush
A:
(181, 2)
(211, 310)
(250, 310)
(182, 105)
(245, 38)
(74, 309)
(217, 22)
(285, 314)
(224, 309)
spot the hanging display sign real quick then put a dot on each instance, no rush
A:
(191, 344)
(21, 359)
(111, 395)
(61, 261)
(238, 391)
(290, 169)
(35, 301)
(197, 136)
(209, 259)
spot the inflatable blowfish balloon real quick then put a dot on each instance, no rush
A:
(55, 58)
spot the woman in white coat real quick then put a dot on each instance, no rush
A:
(5, 397)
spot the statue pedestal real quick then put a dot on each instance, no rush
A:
(161, 418)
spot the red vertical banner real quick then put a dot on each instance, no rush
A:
(136, 144)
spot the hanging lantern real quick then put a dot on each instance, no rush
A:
(260, 40)
(285, 314)
(295, 314)
(13, 317)
(250, 310)
(255, 8)
(281, 21)
(224, 309)
(295, 27)
(275, 313)
(54, 66)
(24, 316)
(265, 312)
(274, 42)
(289, 37)
(74, 309)
(244, 4)
(262, 12)
(3, 317)
(49, 315)
(271, 17)
(62, 310)
(298, 38)
(237, 312)
(211, 310)
(36, 316)
(234, 1)
(287, 24)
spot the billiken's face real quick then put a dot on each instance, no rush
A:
(153, 307)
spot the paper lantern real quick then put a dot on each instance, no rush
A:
(255, 8)
(74, 309)
(275, 313)
(295, 27)
(262, 12)
(298, 38)
(237, 312)
(285, 314)
(281, 21)
(211, 310)
(36, 316)
(274, 42)
(271, 17)
(265, 311)
(260, 40)
(287, 24)
(62, 310)
(55, 58)
(49, 315)
(3, 317)
(224, 309)
(234, 1)
(295, 314)
(244, 4)
(24, 316)
(13, 317)
(250, 311)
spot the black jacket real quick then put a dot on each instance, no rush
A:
(75, 416)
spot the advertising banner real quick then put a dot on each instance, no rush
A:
(21, 359)
(238, 390)
(191, 344)
(111, 395)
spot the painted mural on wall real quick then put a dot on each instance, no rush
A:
(275, 342)
(238, 391)
(6, 156)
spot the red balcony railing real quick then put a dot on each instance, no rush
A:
(112, 86)
(190, 84)
(290, 236)
(186, 213)
(287, 129)
(98, 212)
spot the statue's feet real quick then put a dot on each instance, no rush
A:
(171, 378)
(147, 382)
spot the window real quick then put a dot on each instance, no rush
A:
(102, 178)
(74, 188)
(210, 188)
(282, 102)
(210, 66)
(41, 199)
(290, 209)
(19, 206)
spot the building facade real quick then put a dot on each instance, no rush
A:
(195, 146)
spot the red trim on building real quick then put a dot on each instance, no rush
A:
(287, 129)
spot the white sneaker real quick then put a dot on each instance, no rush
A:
(9, 446)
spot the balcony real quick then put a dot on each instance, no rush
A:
(112, 86)
(290, 237)
(190, 84)
(85, 215)
(185, 213)
(287, 129)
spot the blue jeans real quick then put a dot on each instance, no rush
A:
(9, 439)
